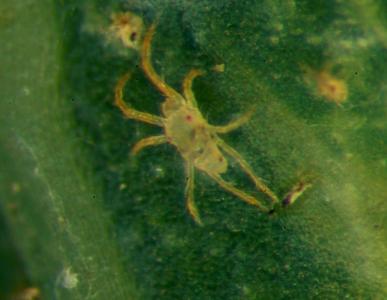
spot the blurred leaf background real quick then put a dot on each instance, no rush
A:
(80, 219)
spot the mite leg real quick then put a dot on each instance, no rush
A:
(149, 141)
(233, 124)
(246, 167)
(148, 68)
(130, 112)
(187, 85)
(189, 193)
(237, 192)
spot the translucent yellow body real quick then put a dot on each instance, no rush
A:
(189, 132)
(196, 140)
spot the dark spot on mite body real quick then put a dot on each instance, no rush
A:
(188, 118)
(123, 21)
(192, 134)
(200, 151)
(133, 36)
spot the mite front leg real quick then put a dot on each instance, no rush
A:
(189, 193)
(246, 167)
(187, 85)
(239, 193)
(233, 124)
(130, 112)
(149, 141)
(150, 72)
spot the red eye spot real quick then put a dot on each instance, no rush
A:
(188, 118)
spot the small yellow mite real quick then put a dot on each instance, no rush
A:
(326, 85)
(30, 293)
(331, 88)
(196, 140)
(128, 28)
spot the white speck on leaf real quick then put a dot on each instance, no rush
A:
(26, 91)
(67, 279)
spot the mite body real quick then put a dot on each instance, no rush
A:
(189, 132)
(197, 141)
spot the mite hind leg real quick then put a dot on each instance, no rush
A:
(290, 197)
(239, 193)
(130, 112)
(248, 170)
(189, 193)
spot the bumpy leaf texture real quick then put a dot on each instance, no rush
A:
(80, 219)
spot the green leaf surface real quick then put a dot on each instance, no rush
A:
(81, 219)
